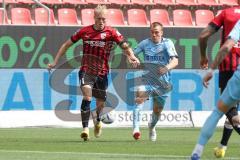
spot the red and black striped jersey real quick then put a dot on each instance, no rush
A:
(97, 46)
(227, 19)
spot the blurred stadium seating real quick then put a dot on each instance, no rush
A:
(1, 19)
(122, 12)
(182, 17)
(160, 15)
(67, 16)
(41, 16)
(87, 16)
(21, 16)
(203, 17)
(137, 17)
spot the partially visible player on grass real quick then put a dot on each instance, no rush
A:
(226, 19)
(227, 101)
(98, 40)
(159, 51)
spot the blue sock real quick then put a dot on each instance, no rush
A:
(209, 126)
(155, 118)
(137, 116)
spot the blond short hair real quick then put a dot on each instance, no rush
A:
(100, 9)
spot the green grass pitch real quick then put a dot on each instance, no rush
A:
(115, 143)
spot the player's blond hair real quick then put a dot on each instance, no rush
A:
(100, 9)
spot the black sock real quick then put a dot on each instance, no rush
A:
(226, 135)
(85, 112)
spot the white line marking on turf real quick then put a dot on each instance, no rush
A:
(103, 154)
(109, 154)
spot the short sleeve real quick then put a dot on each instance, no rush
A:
(219, 19)
(235, 33)
(77, 35)
(139, 48)
(171, 49)
(117, 36)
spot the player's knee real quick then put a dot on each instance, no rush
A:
(222, 107)
(85, 105)
(87, 98)
(227, 124)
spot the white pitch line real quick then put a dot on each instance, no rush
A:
(111, 154)
(103, 154)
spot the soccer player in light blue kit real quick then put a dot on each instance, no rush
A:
(157, 51)
(229, 98)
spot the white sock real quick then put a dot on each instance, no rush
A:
(198, 149)
(137, 116)
(223, 147)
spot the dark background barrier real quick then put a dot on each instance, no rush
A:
(35, 46)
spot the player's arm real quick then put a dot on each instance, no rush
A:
(173, 63)
(224, 50)
(62, 50)
(202, 40)
(130, 54)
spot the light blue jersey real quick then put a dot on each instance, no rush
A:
(230, 96)
(157, 53)
(231, 93)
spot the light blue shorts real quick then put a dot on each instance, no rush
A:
(231, 94)
(158, 95)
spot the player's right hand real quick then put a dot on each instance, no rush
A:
(204, 63)
(207, 78)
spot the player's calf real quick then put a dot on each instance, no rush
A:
(233, 116)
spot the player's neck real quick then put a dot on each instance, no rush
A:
(98, 29)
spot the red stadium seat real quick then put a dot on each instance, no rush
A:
(203, 17)
(75, 2)
(97, 1)
(67, 16)
(137, 17)
(115, 17)
(182, 17)
(51, 2)
(41, 16)
(87, 16)
(6, 18)
(165, 2)
(21, 16)
(229, 2)
(25, 1)
(208, 2)
(142, 2)
(160, 15)
(121, 2)
(9, 1)
(186, 2)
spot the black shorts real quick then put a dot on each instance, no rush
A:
(223, 79)
(99, 84)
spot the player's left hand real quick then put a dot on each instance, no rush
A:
(134, 61)
(163, 70)
(207, 78)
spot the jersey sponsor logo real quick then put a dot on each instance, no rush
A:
(154, 58)
(103, 35)
(96, 43)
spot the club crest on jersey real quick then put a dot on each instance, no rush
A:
(103, 35)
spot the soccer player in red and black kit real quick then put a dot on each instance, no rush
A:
(226, 19)
(98, 40)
